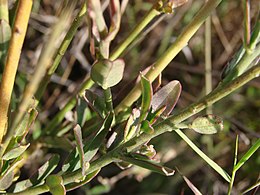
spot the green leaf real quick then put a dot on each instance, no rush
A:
(132, 124)
(208, 124)
(55, 184)
(87, 179)
(167, 96)
(26, 123)
(15, 152)
(148, 164)
(148, 151)
(6, 180)
(107, 73)
(8, 176)
(248, 154)
(147, 127)
(57, 142)
(210, 162)
(78, 138)
(82, 111)
(39, 176)
(96, 103)
(5, 35)
(91, 147)
(147, 94)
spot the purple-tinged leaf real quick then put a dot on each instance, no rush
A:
(190, 184)
(147, 94)
(208, 124)
(148, 164)
(167, 96)
(147, 127)
(55, 185)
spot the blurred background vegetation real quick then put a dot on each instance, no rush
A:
(240, 110)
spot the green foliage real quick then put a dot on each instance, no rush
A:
(94, 125)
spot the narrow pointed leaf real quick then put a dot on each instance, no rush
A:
(96, 103)
(210, 162)
(90, 148)
(167, 96)
(82, 111)
(147, 93)
(153, 116)
(132, 124)
(6, 180)
(26, 123)
(55, 184)
(150, 165)
(147, 127)
(15, 152)
(248, 154)
(78, 138)
(87, 179)
(208, 124)
(107, 73)
(8, 177)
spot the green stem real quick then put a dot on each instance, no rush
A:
(165, 126)
(242, 65)
(168, 56)
(108, 98)
(208, 64)
(129, 39)
(247, 26)
(233, 171)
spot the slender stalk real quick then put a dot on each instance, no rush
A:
(208, 64)
(130, 38)
(247, 25)
(165, 126)
(233, 171)
(108, 99)
(168, 56)
(62, 49)
(13, 56)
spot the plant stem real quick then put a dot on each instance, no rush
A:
(208, 64)
(62, 49)
(13, 56)
(129, 39)
(163, 127)
(233, 171)
(247, 25)
(108, 98)
(165, 59)
(242, 65)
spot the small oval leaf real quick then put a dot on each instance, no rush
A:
(107, 73)
(208, 124)
(167, 96)
(15, 152)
